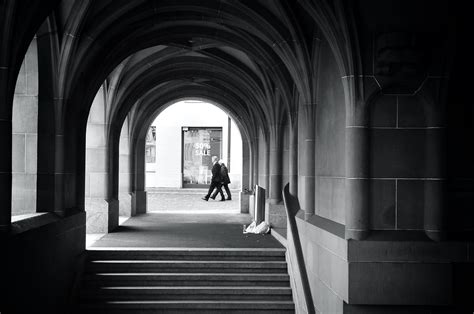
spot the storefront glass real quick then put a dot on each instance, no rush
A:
(199, 145)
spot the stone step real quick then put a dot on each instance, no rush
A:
(114, 266)
(185, 279)
(191, 254)
(187, 293)
(182, 306)
(151, 280)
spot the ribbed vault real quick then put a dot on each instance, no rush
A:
(256, 58)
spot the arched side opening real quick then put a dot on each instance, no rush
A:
(96, 170)
(125, 174)
(25, 136)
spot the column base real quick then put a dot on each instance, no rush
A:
(244, 203)
(97, 215)
(113, 214)
(252, 206)
(275, 214)
(436, 235)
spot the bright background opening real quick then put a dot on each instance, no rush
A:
(164, 147)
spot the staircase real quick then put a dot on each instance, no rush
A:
(186, 281)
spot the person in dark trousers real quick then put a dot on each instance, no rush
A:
(225, 181)
(215, 180)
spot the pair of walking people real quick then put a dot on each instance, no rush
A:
(220, 178)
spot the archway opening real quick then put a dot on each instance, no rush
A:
(25, 137)
(180, 144)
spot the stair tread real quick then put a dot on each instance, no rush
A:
(180, 280)
(192, 274)
(184, 262)
(160, 249)
(197, 301)
(195, 287)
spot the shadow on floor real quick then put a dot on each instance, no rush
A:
(184, 230)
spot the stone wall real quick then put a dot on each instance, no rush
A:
(326, 263)
(25, 135)
(41, 264)
(330, 140)
(262, 162)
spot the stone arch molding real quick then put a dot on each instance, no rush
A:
(140, 127)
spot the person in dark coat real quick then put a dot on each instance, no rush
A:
(225, 181)
(215, 180)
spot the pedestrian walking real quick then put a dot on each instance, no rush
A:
(215, 180)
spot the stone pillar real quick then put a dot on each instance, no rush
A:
(139, 197)
(5, 159)
(274, 209)
(293, 158)
(255, 158)
(124, 194)
(435, 191)
(50, 181)
(357, 182)
(275, 165)
(307, 167)
(51, 143)
(246, 184)
(98, 201)
(357, 167)
(113, 177)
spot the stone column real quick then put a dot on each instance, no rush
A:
(266, 166)
(275, 165)
(275, 213)
(51, 143)
(255, 158)
(50, 168)
(139, 197)
(357, 182)
(5, 159)
(246, 184)
(357, 167)
(435, 189)
(307, 167)
(124, 172)
(293, 158)
(113, 160)
(97, 193)
(246, 166)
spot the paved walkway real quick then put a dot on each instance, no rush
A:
(180, 219)
(189, 200)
